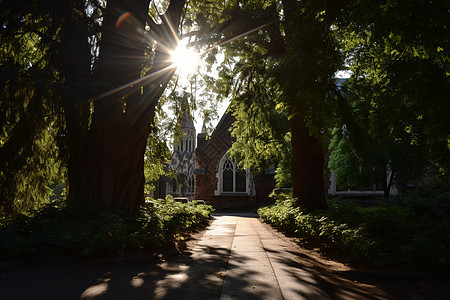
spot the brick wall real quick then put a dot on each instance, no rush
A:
(264, 185)
(208, 152)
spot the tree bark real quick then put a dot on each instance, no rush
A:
(113, 161)
(75, 59)
(307, 166)
(305, 87)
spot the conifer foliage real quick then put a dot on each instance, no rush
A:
(80, 81)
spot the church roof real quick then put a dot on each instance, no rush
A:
(221, 132)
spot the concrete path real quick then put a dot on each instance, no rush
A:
(258, 265)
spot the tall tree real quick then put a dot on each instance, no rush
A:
(306, 74)
(113, 159)
(103, 102)
(399, 90)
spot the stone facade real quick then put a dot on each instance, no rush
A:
(183, 161)
(219, 180)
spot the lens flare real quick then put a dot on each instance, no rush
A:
(185, 59)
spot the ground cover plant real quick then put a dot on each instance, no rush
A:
(65, 228)
(409, 232)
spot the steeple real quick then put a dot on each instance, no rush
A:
(188, 138)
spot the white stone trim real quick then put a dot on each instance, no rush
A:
(332, 190)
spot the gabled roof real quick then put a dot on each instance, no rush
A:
(222, 129)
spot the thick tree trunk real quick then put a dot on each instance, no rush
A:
(306, 87)
(75, 58)
(307, 167)
(113, 162)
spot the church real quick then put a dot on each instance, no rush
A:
(205, 170)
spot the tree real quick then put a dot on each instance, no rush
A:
(306, 75)
(113, 158)
(399, 59)
(398, 93)
(30, 95)
(104, 137)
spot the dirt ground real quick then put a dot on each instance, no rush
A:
(69, 278)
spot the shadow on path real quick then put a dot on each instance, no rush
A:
(199, 273)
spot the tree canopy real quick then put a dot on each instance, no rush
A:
(82, 81)
(398, 92)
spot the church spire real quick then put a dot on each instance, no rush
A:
(188, 138)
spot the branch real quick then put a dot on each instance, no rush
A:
(154, 27)
(45, 37)
(242, 24)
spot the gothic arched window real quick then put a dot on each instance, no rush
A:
(233, 179)
(191, 183)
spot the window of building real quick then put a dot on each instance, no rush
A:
(191, 183)
(233, 177)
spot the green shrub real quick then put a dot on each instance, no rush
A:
(63, 228)
(398, 233)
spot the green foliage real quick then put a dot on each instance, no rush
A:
(32, 64)
(412, 232)
(64, 228)
(261, 127)
(399, 55)
(157, 155)
(247, 78)
(393, 108)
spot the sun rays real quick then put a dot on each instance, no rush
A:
(185, 59)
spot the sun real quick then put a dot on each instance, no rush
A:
(185, 59)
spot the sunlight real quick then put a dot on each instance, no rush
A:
(185, 59)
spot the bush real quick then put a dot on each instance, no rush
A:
(64, 228)
(399, 233)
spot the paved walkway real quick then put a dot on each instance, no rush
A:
(259, 267)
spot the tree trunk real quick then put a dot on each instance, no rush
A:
(307, 167)
(113, 161)
(76, 70)
(305, 87)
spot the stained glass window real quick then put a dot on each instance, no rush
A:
(227, 175)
